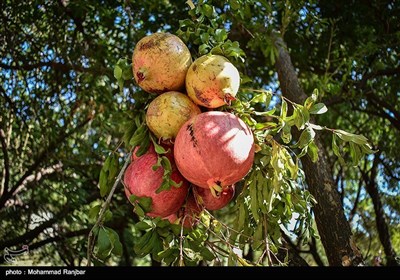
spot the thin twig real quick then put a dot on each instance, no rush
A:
(4, 187)
(181, 237)
(104, 208)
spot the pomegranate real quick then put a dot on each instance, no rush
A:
(190, 213)
(211, 202)
(168, 112)
(212, 81)
(141, 180)
(214, 149)
(160, 62)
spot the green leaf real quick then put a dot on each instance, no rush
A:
(254, 201)
(127, 74)
(203, 49)
(107, 215)
(165, 186)
(116, 243)
(336, 149)
(207, 10)
(138, 136)
(142, 242)
(263, 97)
(117, 72)
(306, 137)
(311, 99)
(367, 149)
(104, 244)
(205, 37)
(355, 153)
(258, 237)
(142, 225)
(94, 211)
(298, 118)
(350, 137)
(286, 134)
(113, 168)
(242, 216)
(166, 164)
(313, 152)
(234, 4)
(103, 182)
(145, 203)
(284, 109)
(221, 35)
(207, 254)
(318, 108)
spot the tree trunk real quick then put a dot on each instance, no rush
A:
(332, 225)
(381, 225)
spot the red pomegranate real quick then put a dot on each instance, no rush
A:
(214, 149)
(141, 180)
(160, 62)
(212, 202)
(190, 212)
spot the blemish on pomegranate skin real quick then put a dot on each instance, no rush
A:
(200, 97)
(158, 91)
(191, 132)
(194, 67)
(147, 45)
(140, 76)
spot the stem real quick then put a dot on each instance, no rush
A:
(104, 208)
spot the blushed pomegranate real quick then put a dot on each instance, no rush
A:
(212, 81)
(141, 180)
(211, 202)
(168, 112)
(160, 62)
(214, 149)
(189, 214)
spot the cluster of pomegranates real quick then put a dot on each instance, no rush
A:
(209, 150)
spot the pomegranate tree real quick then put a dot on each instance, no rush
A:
(142, 181)
(212, 81)
(214, 149)
(168, 112)
(211, 202)
(160, 62)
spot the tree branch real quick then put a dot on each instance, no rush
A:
(381, 224)
(104, 208)
(332, 225)
(39, 160)
(55, 65)
(28, 236)
(59, 237)
(6, 171)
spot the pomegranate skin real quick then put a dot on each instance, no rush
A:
(190, 212)
(214, 148)
(211, 202)
(160, 62)
(212, 81)
(142, 181)
(168, 112)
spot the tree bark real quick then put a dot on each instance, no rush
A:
(332, 225)
(381, 224)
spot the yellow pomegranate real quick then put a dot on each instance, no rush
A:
(160, 62)
(212, 81)
(168, 112)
